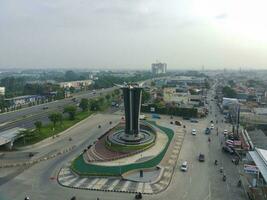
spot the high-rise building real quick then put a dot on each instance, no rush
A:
(159, 68)
(2, 91)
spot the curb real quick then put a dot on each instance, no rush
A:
(32, 162)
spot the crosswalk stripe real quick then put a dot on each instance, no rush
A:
(80, 182)
(113, 184)
(69, 182)
(148, 188)
(100, 183)
(125, 186)
(140, 187)
(89, 186)
(62, 178)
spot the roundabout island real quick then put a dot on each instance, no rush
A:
(131, 153)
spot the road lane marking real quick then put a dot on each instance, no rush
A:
(125, 186)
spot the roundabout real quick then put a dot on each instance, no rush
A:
(132, 151)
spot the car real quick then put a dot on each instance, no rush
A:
(45, 107)
(194, 132)
(193, 120)
(227, 149)
(184, 166)
(201, 157)
(212, 126)
(207, 131)
(171, 122)
(178, 123)
(211, 121)
(225, 132)
(186, 118)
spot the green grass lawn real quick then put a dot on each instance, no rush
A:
(47, 130)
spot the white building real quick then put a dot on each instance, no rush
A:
(159, 68)
(76, 84)
(2, 90)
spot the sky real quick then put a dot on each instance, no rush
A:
(132, 34)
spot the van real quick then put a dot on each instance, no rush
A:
(184, 166)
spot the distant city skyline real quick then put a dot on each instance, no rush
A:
(117, 34)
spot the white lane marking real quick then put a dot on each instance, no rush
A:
(190, 180)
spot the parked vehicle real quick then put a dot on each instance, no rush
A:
(45, 107)
(155, 116)
(184, 166)
(193, 120)
(186, 118)
(227, 149)
(171, 122)
(194, 132)
(225, 132)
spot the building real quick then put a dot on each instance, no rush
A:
(2, 91)
(159, 68)
(76, 84)
(23, 100)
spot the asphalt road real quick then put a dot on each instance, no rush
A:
(26, 117)
(202, 181)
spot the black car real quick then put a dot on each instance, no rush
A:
(201, 157)
(227, 149)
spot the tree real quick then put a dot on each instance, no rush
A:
(55, 117)
(117, 92)
(145, 96)
(71, 110)
(84, 104)
(108, 97)
(26, 134)
(38, 125)
(94, 105)
(229, 92)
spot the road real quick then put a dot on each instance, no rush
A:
(27, 116)
(202, 181)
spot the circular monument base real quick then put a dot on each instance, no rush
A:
(122, 142)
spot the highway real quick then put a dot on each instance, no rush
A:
(26, 117)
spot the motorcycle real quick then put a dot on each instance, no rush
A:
(221, 170)
(216, 162)
(239, 183)
(224, 177)
(138, 196)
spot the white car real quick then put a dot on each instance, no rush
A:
(225, 132)
(184, 166)
(212, 126)
(194, 132)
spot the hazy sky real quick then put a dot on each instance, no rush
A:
(133, 33)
